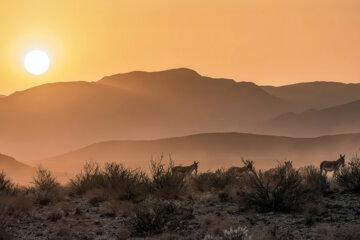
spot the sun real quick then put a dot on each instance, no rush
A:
(37, 62)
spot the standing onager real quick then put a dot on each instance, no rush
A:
(236, 171)
(329, 166)
(186, 171)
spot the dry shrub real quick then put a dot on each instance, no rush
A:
(125, 208)
(151, 216)
(124, 184)
(165, 183)
(109, 208)
(217, 180)
(96, 196)
(348, 176)
(6, 186)
(277, 190)
(55, 215)
(90, 177)
(46, 187)
(44, 180)
(314, 183)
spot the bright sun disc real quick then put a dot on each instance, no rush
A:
(37, 62)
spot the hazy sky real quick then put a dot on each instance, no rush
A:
(266, 41)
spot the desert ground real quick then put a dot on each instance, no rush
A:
(113, 202)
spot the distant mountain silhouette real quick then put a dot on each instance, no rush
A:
(1, 96)
(213, 150)
(333, 120)
(17, 171)
(57, 117)
(316, 95)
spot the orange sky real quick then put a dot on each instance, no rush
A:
(269, 42)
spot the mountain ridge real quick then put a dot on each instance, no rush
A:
(213, 150)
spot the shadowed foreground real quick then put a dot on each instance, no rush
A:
(117, 203)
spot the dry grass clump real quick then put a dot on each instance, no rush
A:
(151, 217)
(126, 184)
(314, 182)
(97, 196)
(16, 205)
(217, 180)
(165, 183)
(238, 233)
(348, 176)
(122, 183)
(279, 189)
(55, 215)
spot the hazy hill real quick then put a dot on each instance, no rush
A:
(58, 117)
(17, 171)
(316, 94)
(213, 150)
(333, 120)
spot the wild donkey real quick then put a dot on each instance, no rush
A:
(187, 170)
(334, 166)
(236, 171)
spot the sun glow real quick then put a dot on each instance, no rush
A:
(37, 62)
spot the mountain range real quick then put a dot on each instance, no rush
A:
(57, 117)
(316, 95)
(54, 118)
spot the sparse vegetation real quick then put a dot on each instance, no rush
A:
(277, 190)
(165, 183)
(6, 186)
(167, 205)
(313, 181)
(151, 216)
(44, 180)
(217, 180)
(47, 188)
(348, 176)
(122, 183)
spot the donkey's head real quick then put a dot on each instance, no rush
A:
(249, 164)
(342, 160)
(195, 165)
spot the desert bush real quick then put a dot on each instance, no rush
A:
(165, 183)
(44, 180)
(90, 177)
(217, 180)
(127, 184)
(124, 184)
(46, 187)
(348, 176)
(277, 190)
(314, 183)
(6, 186)
(151, 216)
